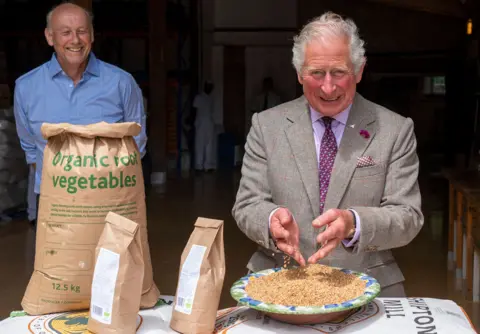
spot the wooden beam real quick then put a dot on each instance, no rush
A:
(87, 4)
(195, 45)
(157, 121)
(459, 243)
(234, 91)
(441, 7)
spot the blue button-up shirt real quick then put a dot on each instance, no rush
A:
(47, 95)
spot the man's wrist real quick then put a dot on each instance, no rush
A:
(352, 231)
(272, 239)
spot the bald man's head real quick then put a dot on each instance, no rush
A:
(70, 32)
(66, 6)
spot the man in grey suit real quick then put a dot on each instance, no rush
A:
(330, 176)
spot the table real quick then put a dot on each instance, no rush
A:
(383, 315)
(464, 186)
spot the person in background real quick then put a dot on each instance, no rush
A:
(205, 155)
(73, 87)
(267, 98)
(331, 177)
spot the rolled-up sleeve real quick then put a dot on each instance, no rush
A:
(24, 131)
(134, 111)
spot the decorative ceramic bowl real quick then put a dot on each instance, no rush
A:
(304, 314)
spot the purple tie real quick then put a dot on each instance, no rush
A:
(328, 151)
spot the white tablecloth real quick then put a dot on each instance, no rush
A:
(383, 315)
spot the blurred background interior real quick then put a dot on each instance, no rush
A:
(423, 62)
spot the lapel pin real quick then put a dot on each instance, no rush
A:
(365, 134)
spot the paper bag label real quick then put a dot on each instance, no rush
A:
(189, 276)
(103, 285)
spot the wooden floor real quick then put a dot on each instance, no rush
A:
(172, 212)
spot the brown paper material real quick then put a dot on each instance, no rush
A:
(119, 267)
(88, 171)
(202, 271)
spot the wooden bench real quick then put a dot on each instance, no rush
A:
(464, 205)
(475, 283)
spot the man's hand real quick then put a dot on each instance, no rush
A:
(284, 230)
(338, 224)
(34, 166)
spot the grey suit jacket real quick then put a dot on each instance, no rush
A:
(280, 169)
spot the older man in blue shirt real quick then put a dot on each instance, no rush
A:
(73, 87)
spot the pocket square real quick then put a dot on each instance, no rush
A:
(366, 161)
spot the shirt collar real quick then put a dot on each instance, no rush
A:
(340, 117)
(92, 66)
(54, 67)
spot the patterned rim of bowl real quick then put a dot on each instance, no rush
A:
(239, 293)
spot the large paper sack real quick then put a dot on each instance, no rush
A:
(88, 171)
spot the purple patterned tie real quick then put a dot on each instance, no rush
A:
(328, 151)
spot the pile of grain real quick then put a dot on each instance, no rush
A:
(313, 285)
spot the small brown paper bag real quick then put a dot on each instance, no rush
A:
(200, 281)
(117, 279)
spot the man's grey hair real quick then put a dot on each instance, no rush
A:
(87, 12)
(329, 25)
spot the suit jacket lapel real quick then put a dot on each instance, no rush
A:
(302, 143)
(352, 146)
